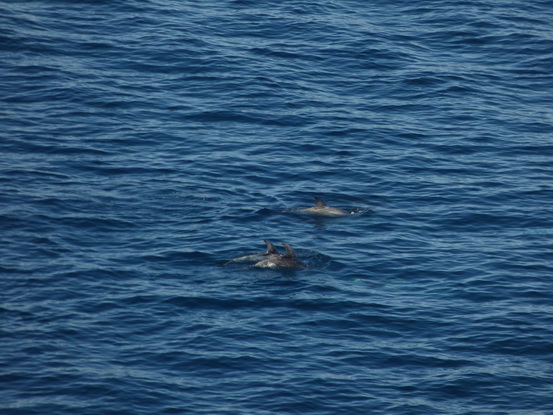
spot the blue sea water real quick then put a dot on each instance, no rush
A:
(146, 143)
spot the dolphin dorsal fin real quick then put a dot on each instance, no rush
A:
(289, 251)
(320, 202)
(271, 249)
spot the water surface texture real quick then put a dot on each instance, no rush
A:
(147, 143)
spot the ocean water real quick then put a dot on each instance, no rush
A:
(147, 143)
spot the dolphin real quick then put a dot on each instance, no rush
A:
(271, 250)
(289, 260)
(322, 209)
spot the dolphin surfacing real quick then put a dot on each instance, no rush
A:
(287, 261)
(321, 208)
(271, 250)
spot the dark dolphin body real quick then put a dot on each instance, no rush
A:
(289, 260)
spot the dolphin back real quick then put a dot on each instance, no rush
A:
(320, 202)
(289, 252)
